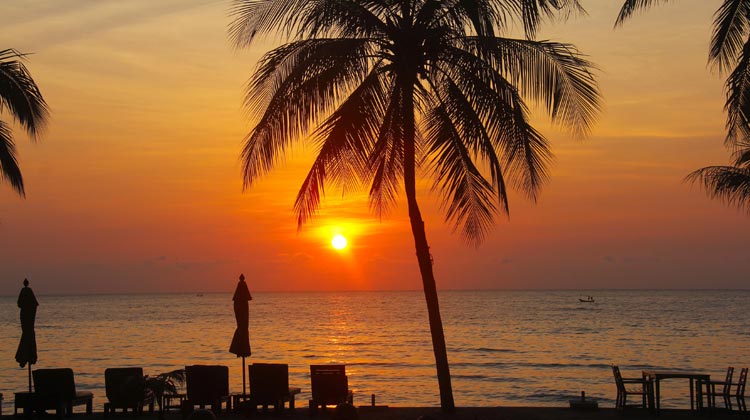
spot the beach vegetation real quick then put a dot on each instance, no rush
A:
(167, 383)
(390, 90)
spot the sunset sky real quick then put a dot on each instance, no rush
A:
(136, 187)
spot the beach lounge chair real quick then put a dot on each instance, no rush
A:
(739, 392)
(269, 385)
(720, 389)
(56, 389)
(206, 386)
(126, 389)
(330, 386)
(643, 388)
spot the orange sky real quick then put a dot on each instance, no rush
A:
(136, 187)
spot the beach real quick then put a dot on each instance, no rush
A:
(434, 413)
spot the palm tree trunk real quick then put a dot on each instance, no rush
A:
(423, 255)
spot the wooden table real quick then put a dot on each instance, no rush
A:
(24, 401)
(697, 379)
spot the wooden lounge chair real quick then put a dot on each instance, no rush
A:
(739, 392)
(56, 389)
(723, 391)
(269, 385)
(330, 386)
(643, 389)
(126, 389)
(206, 386)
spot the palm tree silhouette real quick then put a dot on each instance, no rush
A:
(23, 100)
(729, 52)
(386, 87)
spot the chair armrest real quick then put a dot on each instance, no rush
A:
(635, 381)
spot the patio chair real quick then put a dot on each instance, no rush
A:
(644, 389)
(269, 385)
(739, 393)
(126, 389)
(206, 386)
(330, 386)
(56, 389)
(723, 391)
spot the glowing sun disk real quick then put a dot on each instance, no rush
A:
(339, 242)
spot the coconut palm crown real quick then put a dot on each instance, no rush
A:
(385, 88)
(729, 52)
(20, 97)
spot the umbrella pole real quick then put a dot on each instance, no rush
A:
(29, 377)
(243, 376)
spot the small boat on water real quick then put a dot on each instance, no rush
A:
(589, 299)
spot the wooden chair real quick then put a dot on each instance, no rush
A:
(206, 386)
(269, 385)
(329, 386)
(644, 390)
(56, 389)
(126, 389)
(723, 391)
(739, 394)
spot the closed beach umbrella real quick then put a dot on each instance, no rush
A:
(241, 340)
(26, 353)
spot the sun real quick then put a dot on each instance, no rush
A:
(339, 242)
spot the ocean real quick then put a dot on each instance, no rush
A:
(505, 348)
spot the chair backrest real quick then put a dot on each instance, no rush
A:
(269, 382)
(206, 384)
(52, 385)
(618, 378)
(124, 386)
(728, 380)
(329, 384)
(740, 392)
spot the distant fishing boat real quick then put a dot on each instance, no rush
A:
(589, 299)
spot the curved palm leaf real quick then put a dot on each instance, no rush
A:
(730, 31)
(9, 169)
(19, 94)
(632, 6)
(737, 105)
(730, 184)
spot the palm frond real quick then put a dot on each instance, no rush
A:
(467, 110)
(737, 105)
(503, 115)
(469, 198)
(9, 169)
(350, 19)
(386, 158)
(251, 18)
(730, 32)
(533, 12)
(345, 141)
(20, 95)
(294, 86)
(555, 74)
(730, 184)
(631, 6)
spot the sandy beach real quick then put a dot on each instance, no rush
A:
(434, 413)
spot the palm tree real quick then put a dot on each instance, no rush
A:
(164, 384)
(23, 100)
(384, 87)
(729, 52)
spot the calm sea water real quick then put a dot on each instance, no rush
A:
(505, 347)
